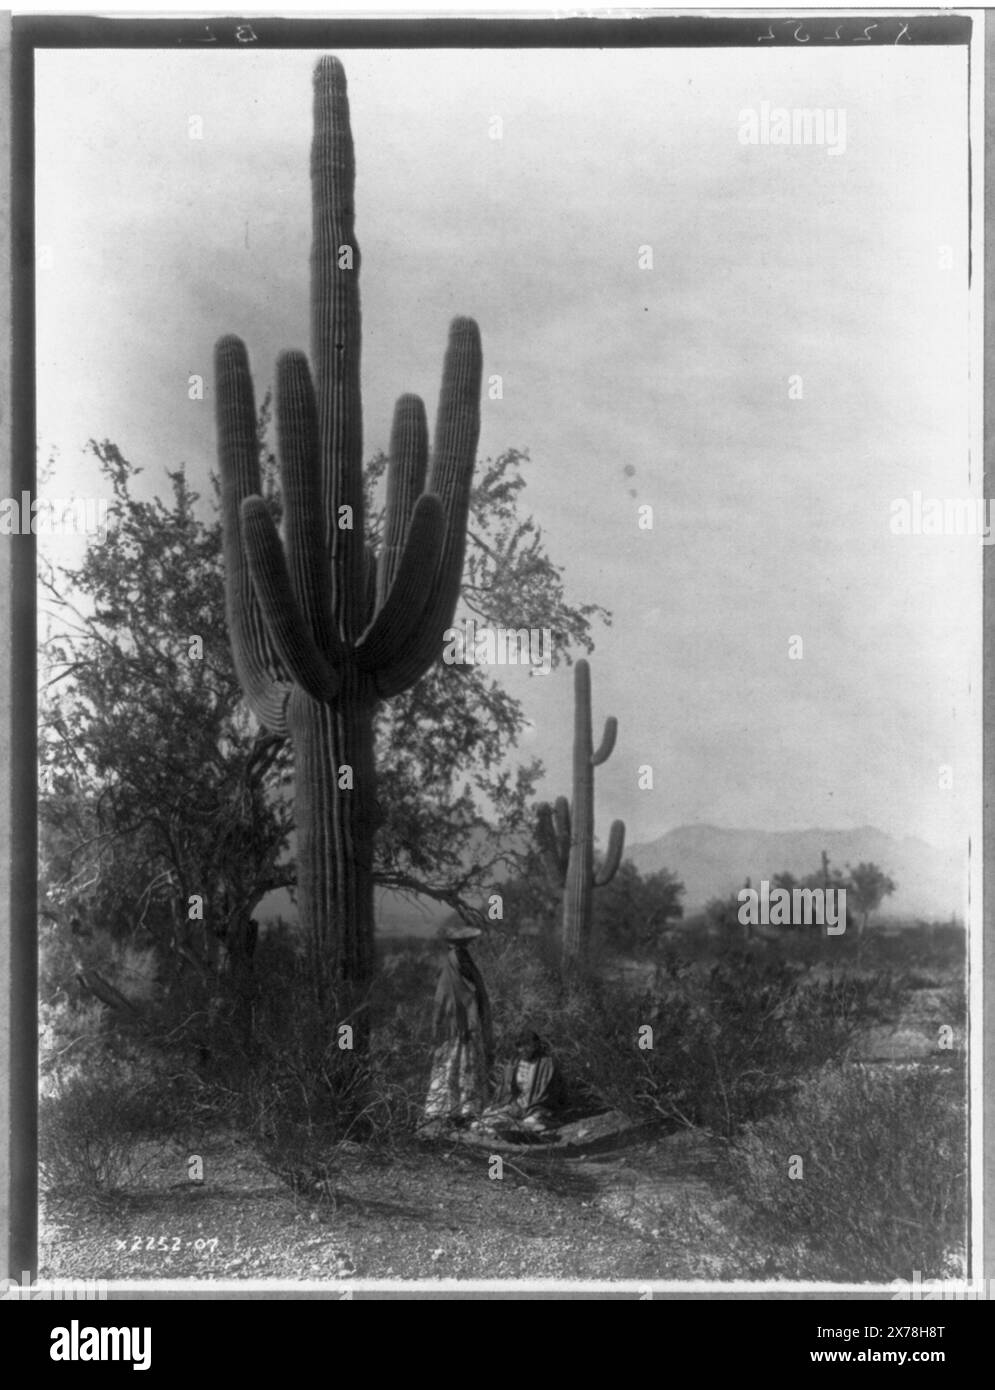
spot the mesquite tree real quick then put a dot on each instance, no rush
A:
(321, 628)
(566, 831)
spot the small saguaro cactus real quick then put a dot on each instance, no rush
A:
(321, 628)
(566, 832)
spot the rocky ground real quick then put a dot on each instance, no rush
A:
(438, 1211)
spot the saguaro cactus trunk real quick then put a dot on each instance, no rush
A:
(321, 628)
(566, 831)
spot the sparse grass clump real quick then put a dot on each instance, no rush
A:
(879, 1157)
(92, 1128)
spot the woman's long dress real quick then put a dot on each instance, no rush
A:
(461, 1060)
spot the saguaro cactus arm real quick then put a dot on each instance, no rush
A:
(408, 465)
(613, 855)
(607, 745)
(555, 854)
(284, 620)
(297, 437)
(391, 629)
(456, 433)
(263, 679)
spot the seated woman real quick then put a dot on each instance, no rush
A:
(532, 1088)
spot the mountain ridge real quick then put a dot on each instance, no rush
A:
(714, 861)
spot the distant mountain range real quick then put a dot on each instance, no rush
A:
(713, 862)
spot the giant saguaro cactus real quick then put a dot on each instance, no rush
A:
(321, 628)
(566, 832)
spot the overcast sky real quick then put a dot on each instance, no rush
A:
(667, 386)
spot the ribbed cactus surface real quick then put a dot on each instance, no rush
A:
(565, 830)
(321, 628)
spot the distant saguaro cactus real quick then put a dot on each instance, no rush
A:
(321, 628)
(566, 832)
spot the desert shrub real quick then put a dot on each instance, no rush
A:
(826, 1011)
(70, 1038)
(134, 969)
(524, 986)
(937, 951)
(882, 1188)
(726, 1040)
(92, 1126)
(131, 966)
(401, 1043)
(267, 1061)
(729, 1040)
(721, 1045)
(57, 960)
(106, 1085)
(302, 1094)
(689, 940)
